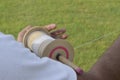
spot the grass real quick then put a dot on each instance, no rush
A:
(84, 20)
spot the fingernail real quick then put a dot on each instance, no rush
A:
(52, 25)
(64, 36)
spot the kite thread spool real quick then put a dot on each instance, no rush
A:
(40, 42)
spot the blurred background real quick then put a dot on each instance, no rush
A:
(92, 25)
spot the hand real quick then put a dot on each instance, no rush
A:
(55, 34)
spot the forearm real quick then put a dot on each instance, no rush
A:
(108, 66)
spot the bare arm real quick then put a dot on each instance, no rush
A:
(107, 67)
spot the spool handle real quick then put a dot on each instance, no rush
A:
(66, 61)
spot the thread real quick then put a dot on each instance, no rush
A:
(96, 39)
(38, 44)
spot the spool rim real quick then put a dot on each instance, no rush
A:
(53, 45)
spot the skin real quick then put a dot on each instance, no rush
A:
(106, 68)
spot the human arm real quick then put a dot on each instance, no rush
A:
(107, 67)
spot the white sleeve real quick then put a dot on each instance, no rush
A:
(18, 63)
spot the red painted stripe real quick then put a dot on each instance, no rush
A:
(59, 47)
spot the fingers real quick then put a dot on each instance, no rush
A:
(65, 36)
(59, 34)
(55, 34)
(50, 27)
(21, 34)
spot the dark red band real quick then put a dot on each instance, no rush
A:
(60, 47)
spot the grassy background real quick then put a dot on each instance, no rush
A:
(85, 21)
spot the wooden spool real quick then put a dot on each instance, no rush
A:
(57, 49)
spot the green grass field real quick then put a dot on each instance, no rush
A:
(89, 23)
